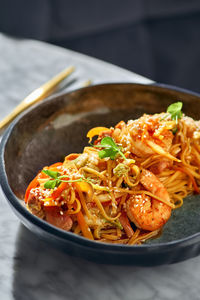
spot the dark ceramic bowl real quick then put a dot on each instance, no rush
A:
(57, 127)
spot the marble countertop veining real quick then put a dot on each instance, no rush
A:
(31, 269)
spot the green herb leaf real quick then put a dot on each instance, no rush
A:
(108, 153)
(175, 111)
(108, 142)
(111, 149)
(52, 174)
(72, 180)
(51, 184)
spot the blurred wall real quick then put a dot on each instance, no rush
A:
(157, 39)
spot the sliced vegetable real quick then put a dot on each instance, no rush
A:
(115, 223)
(86, 188)
(33, 184)
(84, 226)
(72, 156)
(95, 131)
(81, 160)
(56, 194)
(156, 148)
(120, 170)
(58, 164)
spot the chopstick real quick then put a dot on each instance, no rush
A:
(87, 83)
(36, 96)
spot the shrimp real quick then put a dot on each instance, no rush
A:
(160, 166)
(144, 212)
(192, 127)
(143, 135)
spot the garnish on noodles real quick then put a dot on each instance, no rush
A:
(123, 187)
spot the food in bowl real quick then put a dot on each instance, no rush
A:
(123, 187)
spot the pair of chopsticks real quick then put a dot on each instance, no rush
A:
(37, 95)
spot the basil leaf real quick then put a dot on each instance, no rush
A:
(52, 174)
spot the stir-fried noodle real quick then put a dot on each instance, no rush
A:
(122, 188)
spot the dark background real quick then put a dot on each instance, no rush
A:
(157, 39)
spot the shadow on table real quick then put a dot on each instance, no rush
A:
(41, 271)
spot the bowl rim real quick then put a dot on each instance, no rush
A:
(14, 201)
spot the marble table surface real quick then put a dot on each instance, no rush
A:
(31, 268)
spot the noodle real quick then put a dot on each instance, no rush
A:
(78, 208)
(83, 203)
(102, 210)
(123, 189)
